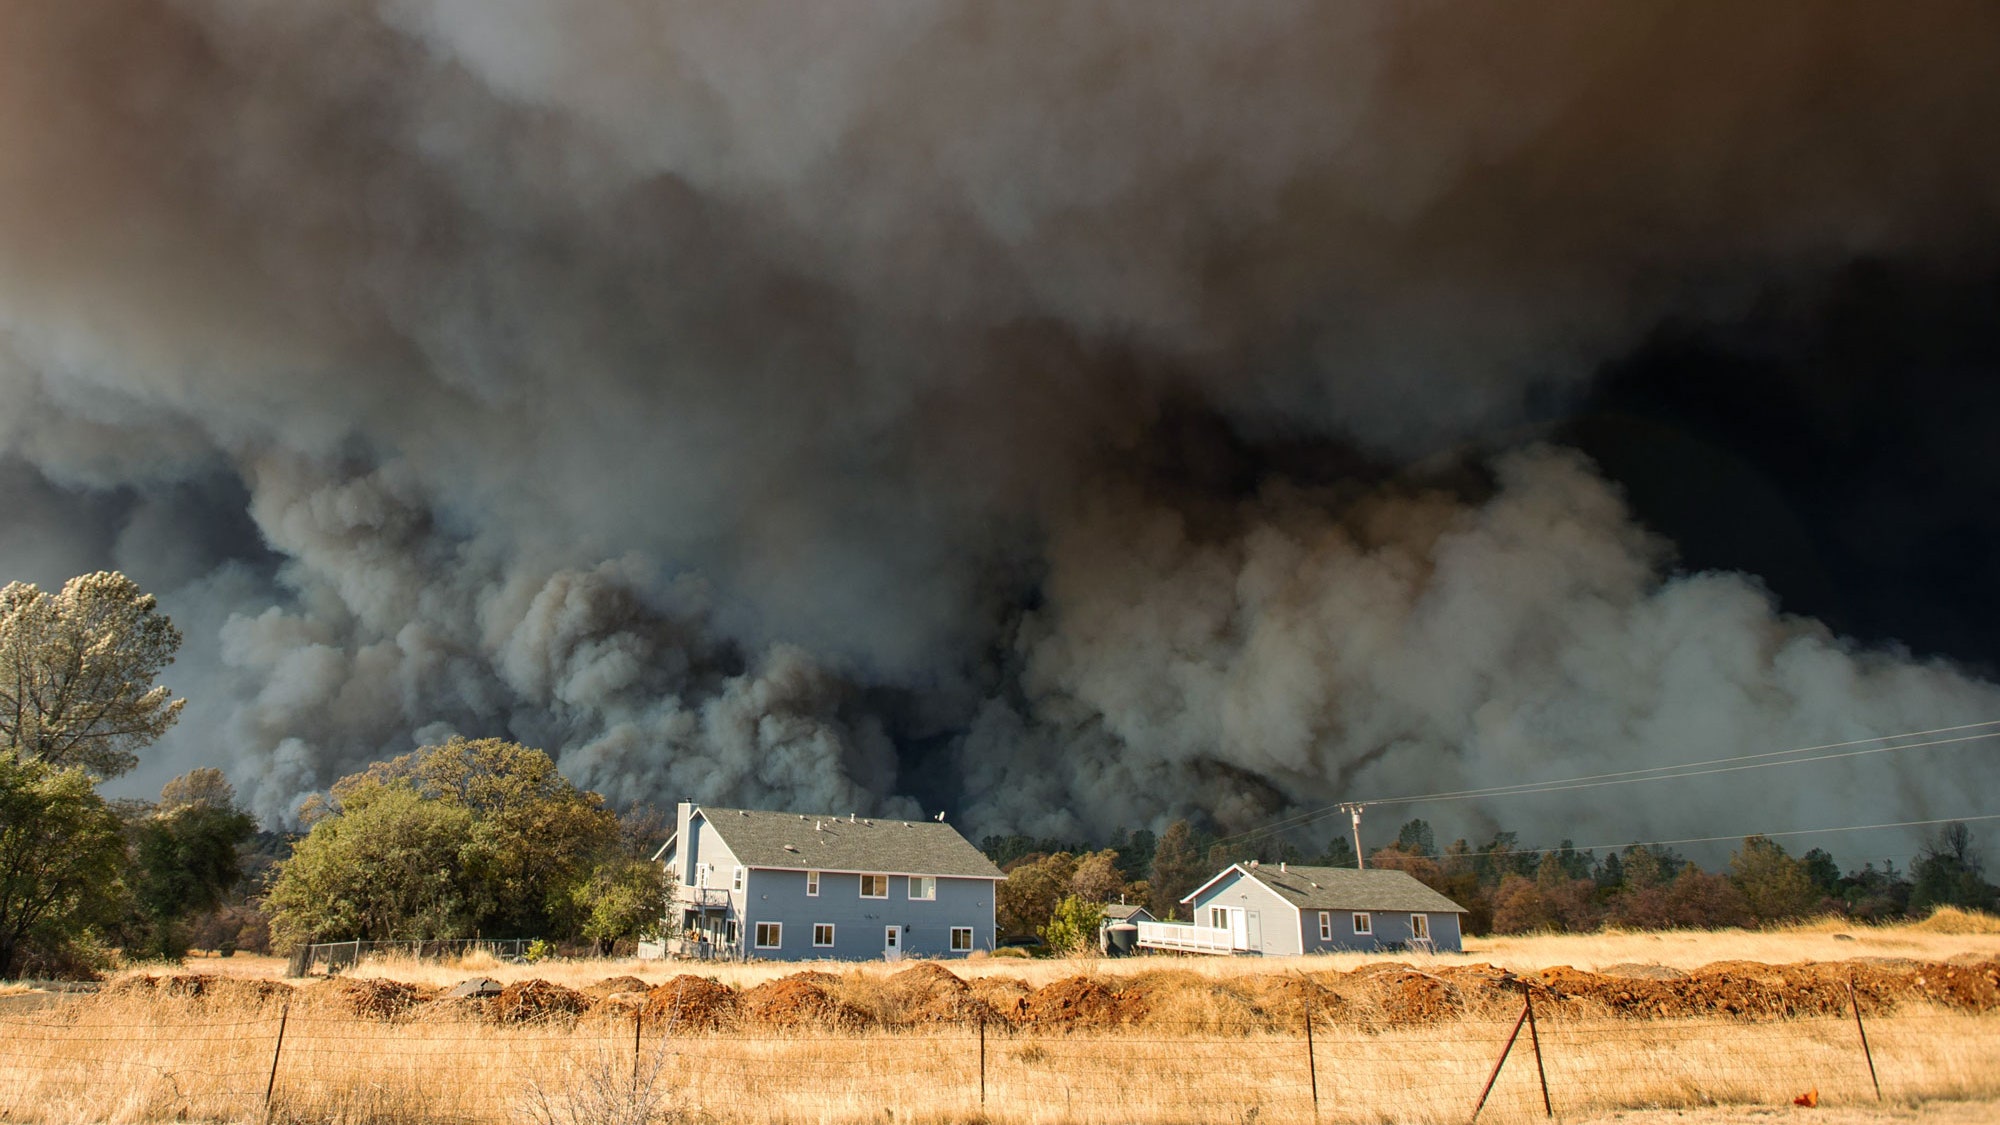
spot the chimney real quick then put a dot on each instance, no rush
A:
(1281, 867)
(683, 844)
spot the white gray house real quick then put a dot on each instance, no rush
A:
(790, 887)
(1287, 910)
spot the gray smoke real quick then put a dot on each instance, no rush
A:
(671, 384)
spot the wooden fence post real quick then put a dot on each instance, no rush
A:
(638, 1019)
(1498, 1063)
(982, 1060)
(1535, 1038)
(277, 1051)
(1854, 1001)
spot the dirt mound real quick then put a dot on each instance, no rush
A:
(610, 985)
(1006, 997)
(801, 1000)
(930, 993)
(376, 999)
(538, 1000)
(690, 1003)
(1633, 970)
(1073, 1002)
(1412, 997)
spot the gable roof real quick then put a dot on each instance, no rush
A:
(791, 842)
(1345, 888)
(1123, 911)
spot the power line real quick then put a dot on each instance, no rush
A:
(1734, 836)
(1706, 767)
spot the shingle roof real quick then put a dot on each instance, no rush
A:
(1119, 911)
(823, 843)
(1344, 888)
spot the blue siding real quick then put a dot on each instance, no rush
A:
(859, 923)
(1392, 928)
(1276, 924)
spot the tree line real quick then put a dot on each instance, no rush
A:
(472, 837)
(1503, 887)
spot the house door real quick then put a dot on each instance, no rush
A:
(1254, 932)
(892, 943)
(1239, 928)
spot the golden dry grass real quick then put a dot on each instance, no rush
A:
(136, 1058)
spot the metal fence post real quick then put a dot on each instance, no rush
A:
(1854, 1001)
(277, 1052)
(1498, 1063)
(982, 1059)
(638, 1018)
(1312, 1060)
(1535, 1039)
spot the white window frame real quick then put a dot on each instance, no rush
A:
(1420, 927)
(882, 883)
(777, 935)
(736, 881)
(828, 927)
(812, 884)
(701, 876)
(956, 947)
(1326, 925)
(1364, 923)
(1218, 917)
(923, 888)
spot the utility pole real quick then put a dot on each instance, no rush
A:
(1354, 810)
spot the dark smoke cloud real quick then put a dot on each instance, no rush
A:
(747, 401)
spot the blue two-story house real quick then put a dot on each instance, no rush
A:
(790, 887)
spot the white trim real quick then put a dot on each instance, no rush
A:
(757, 936)
(739, 880)
(812, 884)
(863, 885)
(911, 889)
(1414, 935)
(830, 935)
(1298, 912)
(663, 847)
(970, 937)
(1362, 922)
(1326, 925)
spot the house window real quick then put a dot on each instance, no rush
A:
(961, 939)
(1420, 927)
(923, 888)
(812, 884)
(770, 935)
(823, 935)
(736, 884)
(1326, 925)
(732, 931)
(1363, 924)
(701, 875)
(1218, 917)
(874, 886)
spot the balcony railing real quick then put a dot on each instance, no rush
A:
(1187, 938)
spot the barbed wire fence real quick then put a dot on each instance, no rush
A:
(298, 1062)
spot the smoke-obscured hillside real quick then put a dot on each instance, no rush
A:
(1068, 416)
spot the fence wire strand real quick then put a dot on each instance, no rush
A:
(70, 1065)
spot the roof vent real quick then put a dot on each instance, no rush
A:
(818, 827)
(868, 823)
(907, 824)
(1253, 863)
(791, 847)
(742, 812)
(850, 818)
(1281, 867)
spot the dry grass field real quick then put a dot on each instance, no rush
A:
(1150, 1040)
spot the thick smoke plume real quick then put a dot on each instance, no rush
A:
(782, 403)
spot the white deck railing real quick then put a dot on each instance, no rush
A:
(1185, 937)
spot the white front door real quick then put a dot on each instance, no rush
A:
(1239, 928)
(892, 943)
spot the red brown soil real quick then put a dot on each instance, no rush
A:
(690, 1003)
(377, 999)
(1073, 1002)
(612, 985)
(538, 1000)
(801, 1000)
(1173, 997)
(201, 986)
